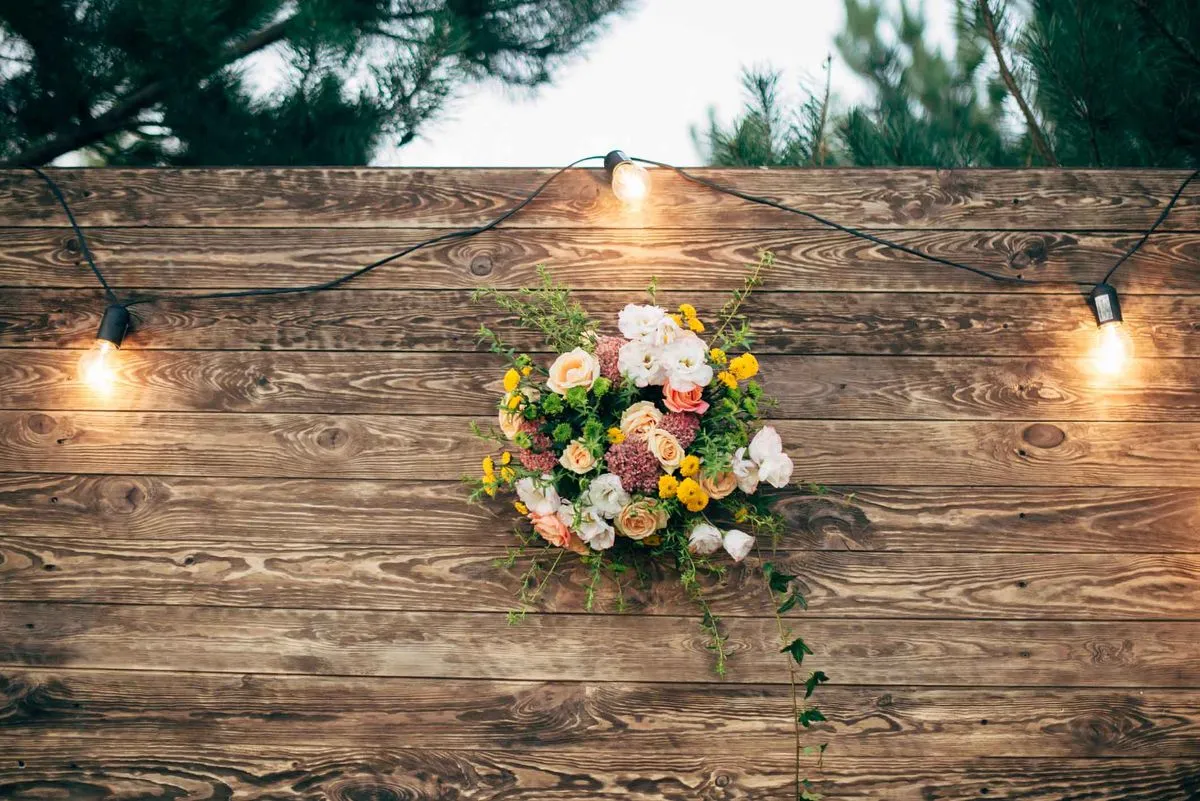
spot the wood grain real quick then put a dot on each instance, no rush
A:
(385, 771)
(394, 447)
(843, 584)
(58, 709)
(423, 198)
(150, 509)
(595, 647)
(826, 261)
(829, 387)
(1060, 326)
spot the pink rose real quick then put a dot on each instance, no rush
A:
(553, 530)
(690, 401)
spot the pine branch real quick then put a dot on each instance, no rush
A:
(1180, 44)
(125, 110)
(818, 146)
(1035, 130)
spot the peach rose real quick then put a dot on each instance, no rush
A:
(510, 423)
(576, 368)
(720, 486)
(640, 419)
(690, 401)
(665, 448)
(577, 458)
(640, 518)
(554, 531)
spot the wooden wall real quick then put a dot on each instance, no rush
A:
(249, 572)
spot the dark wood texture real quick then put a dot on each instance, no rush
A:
(249, 573)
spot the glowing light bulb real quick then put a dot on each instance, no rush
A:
(1113, 349)
(630, 180)
(96, 368)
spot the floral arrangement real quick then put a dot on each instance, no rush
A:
(641, 444)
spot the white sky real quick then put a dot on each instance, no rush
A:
(642, 84)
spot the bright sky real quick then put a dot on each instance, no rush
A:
(641, 86)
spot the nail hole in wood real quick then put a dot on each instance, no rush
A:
(188, 560)
(1022, 584)
(28, 625)
(49, 567)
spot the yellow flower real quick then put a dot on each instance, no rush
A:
(678, 319)
(744, 366)
(726, 378)
(687, 310)
(695, 325)
(689, 466)
(717, 355)
(526, 370)
(667, 486)
(512, 379)
(652, 540)
(688, 490)
(616, 436)
(505, 457)
(521, 508)
(741, 514)
(507, 474)
(514, 401)
(488, 465)
(697, 504)
(489, 486)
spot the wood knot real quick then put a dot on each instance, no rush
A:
(40, 423)
(481, 264)
(722, 780)
(1044, 435)
(1034, 252)
(332, 438)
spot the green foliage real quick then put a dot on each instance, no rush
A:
(169, 82)
(548, 308)
(810, 716)
(797, 648)
(814, 680)
(1100, 83)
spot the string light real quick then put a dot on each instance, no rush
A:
(631, 184)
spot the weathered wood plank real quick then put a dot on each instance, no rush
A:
(149, 509)
(914, 324)
(843, 584)
(888, 453)
(56, 709)
(303, 772)
(828, 261)
(642, 648)
(423, 198)
(829, 387)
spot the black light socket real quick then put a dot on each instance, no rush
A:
(114, 325)
(615, 158)
(1105, 304)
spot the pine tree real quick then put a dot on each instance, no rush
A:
(1043, 83)
(169, 81)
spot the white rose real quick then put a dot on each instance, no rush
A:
(746, 472)
(589, 525)
(540, 497)
(575, 368)
(776, 470)
(738, 544)
(640, 322)
(704, 539)
(607, 496)
(685, 362)
(639, 362)
(774, 466)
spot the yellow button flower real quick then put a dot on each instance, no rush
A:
(507, 474)
(521, 508)
(698, 503)
(667, 485)
(678, 318)
(688, 490)
(689, 466)
(687, 310)
(718, 356)
(695, 324)
(526, 370)
(741, 515)
(514, 401)
(726, 378)
(512, 380)
(505, 457)
(616, 436)
(744, 367)
(489, 465)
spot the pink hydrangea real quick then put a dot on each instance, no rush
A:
(633, 463)
(607, 351)
(683, 425)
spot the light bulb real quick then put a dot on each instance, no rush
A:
(96, 368)
(630, 180)
(1113, 349)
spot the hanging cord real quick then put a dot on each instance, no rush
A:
(1006, 279)
(83, 243)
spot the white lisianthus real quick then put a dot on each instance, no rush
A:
(640, 363)
(589, 525)
(704, 539)
(666, 332)
(746, 472)
(606, 495)
(638, 322)
(738, 544)
(541, 498)
(774, 466)
(685, 362)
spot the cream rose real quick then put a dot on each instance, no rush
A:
(719, 486)
(576, 368)
(510, 423)
(640, 518)
(577, 458)
(665, 448)
(640, 419)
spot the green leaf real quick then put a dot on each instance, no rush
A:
(810, 716)
(815, 679)
(776, 579)
(792, 600)
(797, 649)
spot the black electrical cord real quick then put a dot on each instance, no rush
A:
(83, 243)
(1137, 245)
